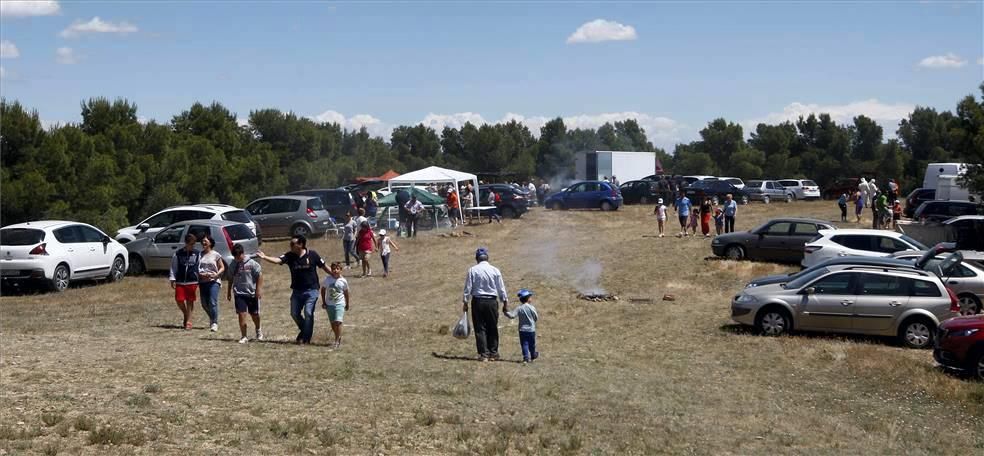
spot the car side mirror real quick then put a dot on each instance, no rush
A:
(105, 240)
(809, 290)
(143, 227)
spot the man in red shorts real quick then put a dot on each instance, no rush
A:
(184, 277)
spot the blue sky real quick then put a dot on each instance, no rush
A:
(673, 65)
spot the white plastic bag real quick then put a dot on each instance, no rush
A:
(461, 329)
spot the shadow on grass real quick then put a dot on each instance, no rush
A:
(40, 287)
(744, 330)
(268, 341)
(470, 358)
(959, 374)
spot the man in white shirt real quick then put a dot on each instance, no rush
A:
(483, 286)
(414, 208)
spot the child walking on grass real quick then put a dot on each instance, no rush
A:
(527, 325)
(335, 299)
(385, 244)
(694, 220)
(660, 212)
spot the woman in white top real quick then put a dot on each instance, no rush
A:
(210, 270)
(385, 246)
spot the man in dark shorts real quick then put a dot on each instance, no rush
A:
(683, 212)
(247, 283)
(304, 284)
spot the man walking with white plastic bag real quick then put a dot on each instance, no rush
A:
(483, 286)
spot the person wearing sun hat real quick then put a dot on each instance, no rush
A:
(660, 212)
(483, 286)
(527, 324)
(386, 244)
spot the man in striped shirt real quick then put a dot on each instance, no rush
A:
(483, 286)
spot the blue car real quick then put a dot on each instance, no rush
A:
(586, 195)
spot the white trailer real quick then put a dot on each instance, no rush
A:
(935, 170)
(625, 166)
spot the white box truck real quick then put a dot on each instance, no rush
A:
(624, 165)
(935, 170)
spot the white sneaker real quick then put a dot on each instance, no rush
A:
(214, 327)
(244, 340)
(259, 334)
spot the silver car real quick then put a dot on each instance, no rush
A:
(290, 215)
(879, 300)
(965, 279)
(154, 252)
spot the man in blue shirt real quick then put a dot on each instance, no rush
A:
(730, 209)
(683, 212)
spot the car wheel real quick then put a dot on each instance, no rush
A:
(975, 365)
(789, 198)
(606, 206)
(773, 321)
(508, 212)
(969, 304)
(643, 200)
(735, 252)
(765, 199)
(744, 200)
(556, 206)
(116, 272)
(59, 280)
(300, 230)
(916, 333)
(137, 266)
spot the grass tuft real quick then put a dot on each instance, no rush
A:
(51, 418)
(116, 435)
(84, 423)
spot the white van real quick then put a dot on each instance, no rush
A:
(935, 170)
(949, 189)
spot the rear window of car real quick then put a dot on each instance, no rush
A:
(734, 181)
(853, 241)
(236, 216)
(883, 285)
(21, 236)
(239, 232)
(925, 288)
(753, 184)
(789, 183)
(337, 198)
(809, 183)
(315, 204)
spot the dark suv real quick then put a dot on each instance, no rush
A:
(640, 191)
(938, 211)
(336, 201)
(717, 190)
(916, 198)
(512, 203)
(960, 345)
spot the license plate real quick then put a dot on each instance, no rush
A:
(9, 273)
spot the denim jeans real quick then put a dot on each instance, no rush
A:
(349, 248)
(386, 263)
(302, 304)
(210, 300)
(527, 341)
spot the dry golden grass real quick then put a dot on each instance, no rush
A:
(99, 370)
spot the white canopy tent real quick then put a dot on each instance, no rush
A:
(436, 175)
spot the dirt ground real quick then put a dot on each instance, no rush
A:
(104, 369)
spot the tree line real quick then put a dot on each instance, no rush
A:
(111, 170)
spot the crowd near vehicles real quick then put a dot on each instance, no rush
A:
(55, 252)
(291, 215)
(151, 225)
(153, 253)
(586, 195)
(779, 240)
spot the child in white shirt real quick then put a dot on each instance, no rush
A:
(660, 212)
(527, 325)
(385, 244)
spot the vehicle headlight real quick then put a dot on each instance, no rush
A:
(716, 241)
(751, 285)
(745, 299)
(964, 332)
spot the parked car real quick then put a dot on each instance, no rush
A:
(776, 240)
(153, 253)
(939, 211)
(860, 242)
(902, 302)
(153, 224)
(586, 195)
(291, 215)
(55, 252)
(691, 179)
(515, 190)
(717, 190)
(847, 185)
(916, 198)
(803, 189)
(767, 191)
(512, 203)
(733, 181)
(964, 278)
(640, 191)
(960, 345)
(337, 201)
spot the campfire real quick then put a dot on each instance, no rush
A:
(597, 297)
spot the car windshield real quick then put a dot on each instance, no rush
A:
(20, 236)
(805, 278)
(237, 216)
(919, 245)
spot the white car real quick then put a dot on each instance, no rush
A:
(56, 252)
(802, 188)
(153, 224)
(737, 182)
(857, 242)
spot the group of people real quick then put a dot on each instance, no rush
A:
(723, 215)
(360, 241)
(886, 208)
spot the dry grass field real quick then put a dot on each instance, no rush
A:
(102, 369)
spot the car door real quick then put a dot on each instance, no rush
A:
(99, 256)
(773, 240)
(830, 305)
(76, 251)
(799, 235)
(576, 195)
(166, 242)
(262, 213)
(287, 214)
(881, 299)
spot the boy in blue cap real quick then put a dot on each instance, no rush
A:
(527, 324)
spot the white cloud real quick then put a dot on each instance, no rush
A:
(948, 60)
(374, 126)
(600, 30)
(15, 8)
(3, 73)
(887, 115)
(8, 50)
(66, 56)
(97, 25)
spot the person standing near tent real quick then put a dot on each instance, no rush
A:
(402, 198)
(454, 210)
(483, 285)
(466, 202)
(414, 208)
(372, 205)
(304, 283)
(532, 189)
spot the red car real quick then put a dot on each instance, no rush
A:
(960, 344)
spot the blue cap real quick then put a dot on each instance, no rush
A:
(482, 251)
(524, 293)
